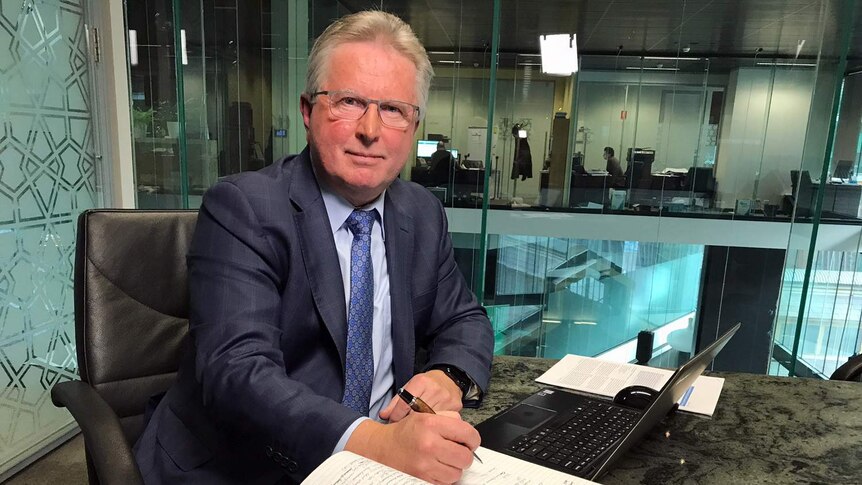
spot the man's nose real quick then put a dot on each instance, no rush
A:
(368, 127)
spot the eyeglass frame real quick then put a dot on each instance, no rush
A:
(368, 102)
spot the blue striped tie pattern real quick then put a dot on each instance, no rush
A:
(359, 369)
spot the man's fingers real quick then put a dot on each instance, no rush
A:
(395, 410)
(459, 432)
(436, 390)
(444, 473)
(385, 412)
(455, 455)
(451, 414)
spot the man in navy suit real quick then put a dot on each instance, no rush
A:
(315, 281)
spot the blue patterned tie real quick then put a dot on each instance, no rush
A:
(359, 370)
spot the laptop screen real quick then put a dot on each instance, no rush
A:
(667, 398)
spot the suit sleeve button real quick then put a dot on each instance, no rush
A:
(292, 466)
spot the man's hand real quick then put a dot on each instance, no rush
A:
(436, 448)
(434, 387)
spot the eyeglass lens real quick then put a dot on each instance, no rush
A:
(350, 106)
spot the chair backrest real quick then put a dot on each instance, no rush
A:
(803, 191)
(700, 179)
(849, 371)
(131, 305)
(794, 180)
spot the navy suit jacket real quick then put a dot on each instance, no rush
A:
(258, 393)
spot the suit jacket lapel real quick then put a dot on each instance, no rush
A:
(399, 250)
(319, 253)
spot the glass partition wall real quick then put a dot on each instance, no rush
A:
(683, 179)
(51, 169)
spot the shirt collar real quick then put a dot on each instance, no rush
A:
(339, 209)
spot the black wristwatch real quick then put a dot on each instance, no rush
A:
(459, 377)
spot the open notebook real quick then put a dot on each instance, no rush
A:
(498, 469)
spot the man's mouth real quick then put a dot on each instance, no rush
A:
(364, 155)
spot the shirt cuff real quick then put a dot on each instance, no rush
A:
(346, 436)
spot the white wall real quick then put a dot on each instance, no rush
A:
(672, 131)
(763, 133)
(764, 126)
(850, 122)
(456, 104)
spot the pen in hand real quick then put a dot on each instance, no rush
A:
(419, 406)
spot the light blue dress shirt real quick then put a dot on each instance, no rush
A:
(338, 210)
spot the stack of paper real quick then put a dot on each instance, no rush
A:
(605, 378)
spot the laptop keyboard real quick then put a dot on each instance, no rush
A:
(575, 439)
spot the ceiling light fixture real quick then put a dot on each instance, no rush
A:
(442, 53)
(559, 54)
(787, 64)
(448, 62)
(133, 47)
(799, 46)
(185, 52)
(635, 68)
(659, 58)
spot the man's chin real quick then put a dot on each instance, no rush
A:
(361, 193)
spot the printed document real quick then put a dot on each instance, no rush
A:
(605, 378)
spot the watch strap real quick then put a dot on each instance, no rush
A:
(458, 376)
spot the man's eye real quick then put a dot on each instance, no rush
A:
(351, 102)
(390, 108)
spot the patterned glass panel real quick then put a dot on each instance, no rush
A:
(48, 174)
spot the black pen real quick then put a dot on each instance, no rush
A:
(419, 406)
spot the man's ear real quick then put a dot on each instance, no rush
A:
(305, 106)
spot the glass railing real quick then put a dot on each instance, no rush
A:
(833, 317)
(608, 190)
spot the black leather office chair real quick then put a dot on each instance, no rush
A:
(699, 179)
(849, 371)
(131, 322)
(803, 192)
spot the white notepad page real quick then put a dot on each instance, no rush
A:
(347, 468)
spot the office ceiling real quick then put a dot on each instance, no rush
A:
(708, 28)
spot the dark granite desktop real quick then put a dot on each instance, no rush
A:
(765, 430)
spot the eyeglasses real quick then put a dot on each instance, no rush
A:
(348, 105)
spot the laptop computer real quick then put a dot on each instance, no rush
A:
(582, 435)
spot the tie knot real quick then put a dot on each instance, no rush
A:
(359, 222)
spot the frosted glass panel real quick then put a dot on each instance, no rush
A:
(48, 174)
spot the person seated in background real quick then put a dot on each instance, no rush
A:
(613, 163)
(441, 165)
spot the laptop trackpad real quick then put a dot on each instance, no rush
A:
(526, 416)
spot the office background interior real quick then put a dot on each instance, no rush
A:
(737, 126)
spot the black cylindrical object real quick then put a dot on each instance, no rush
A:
(643, 354)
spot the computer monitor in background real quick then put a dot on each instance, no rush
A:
(843, 169)
(425, 148)
(643, 155)
(640, 163)
(577, 159)
(454, 152)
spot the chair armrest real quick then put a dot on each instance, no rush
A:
(849, 371)
(106, 444)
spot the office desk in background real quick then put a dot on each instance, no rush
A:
(841, 199)
(765, 430)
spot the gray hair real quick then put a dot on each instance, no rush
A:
(367, 26)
